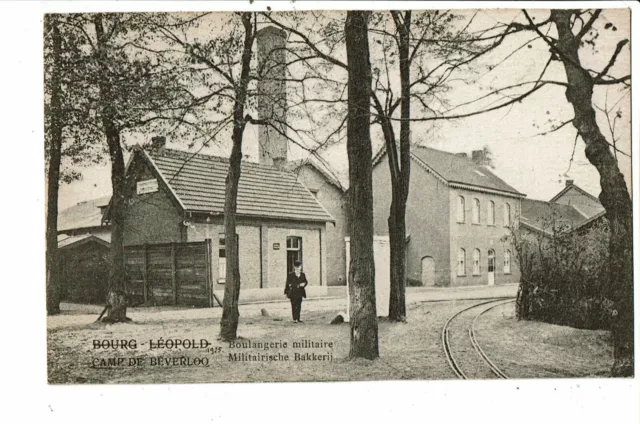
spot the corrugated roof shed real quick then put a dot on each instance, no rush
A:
(460, 169)
(85, 214)
(199, 183)
(65, 241)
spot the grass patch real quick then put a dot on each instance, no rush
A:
(530, 349)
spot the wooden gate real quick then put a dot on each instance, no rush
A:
(170, 273)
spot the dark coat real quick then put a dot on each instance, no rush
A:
(295, 286)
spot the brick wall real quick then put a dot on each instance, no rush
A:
(427, 219)
(249, 250)
(151, 217)
(427, 225)
(482, 236)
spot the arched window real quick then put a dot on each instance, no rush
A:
(460, 209)
(462, 262)
(476, 262)
(491, 213)
(507, 262)
(475, 213)
(491, 263)
(507, 214)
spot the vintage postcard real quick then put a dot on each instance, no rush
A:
(300, 195)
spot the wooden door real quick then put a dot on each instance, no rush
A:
(428, 271)
(491, 267)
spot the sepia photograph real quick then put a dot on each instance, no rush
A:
(338, 195)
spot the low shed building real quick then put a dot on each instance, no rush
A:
(83, 244)
(84, 268)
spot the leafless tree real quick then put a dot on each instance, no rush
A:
(363, 319)
(573, 29)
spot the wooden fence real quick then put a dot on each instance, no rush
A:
(170, 274)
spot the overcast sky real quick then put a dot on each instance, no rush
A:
(534, 164)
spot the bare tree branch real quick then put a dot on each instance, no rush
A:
(612, 61)
(589, 24)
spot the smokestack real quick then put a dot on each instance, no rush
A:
(568, 183)
(272, 95)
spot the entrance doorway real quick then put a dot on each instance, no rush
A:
(294, 252)
(491, 267)
(428, 271)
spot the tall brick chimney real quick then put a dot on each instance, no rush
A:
(272, 95)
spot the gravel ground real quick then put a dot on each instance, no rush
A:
(409, 350)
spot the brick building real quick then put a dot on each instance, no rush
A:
(178, 197)
(458, 211)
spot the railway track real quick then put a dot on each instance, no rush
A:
(467, 359)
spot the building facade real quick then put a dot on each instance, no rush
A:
(458, 214)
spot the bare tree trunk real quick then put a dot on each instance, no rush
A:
(614, 196)
(53, 175)
(116, 296)
(363, 317)
(400, 184)
(230, 313)
(397, 242)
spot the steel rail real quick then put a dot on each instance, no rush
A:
(474, 341)
(453, 364)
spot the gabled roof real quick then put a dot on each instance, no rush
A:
(197, 181)
(332, 176)
(86, 214)
(460, 169)
(456, 170)
(575, 187)
(537, 214)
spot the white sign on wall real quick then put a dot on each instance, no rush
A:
(147, 186)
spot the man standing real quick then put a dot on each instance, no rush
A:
(294, 290)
